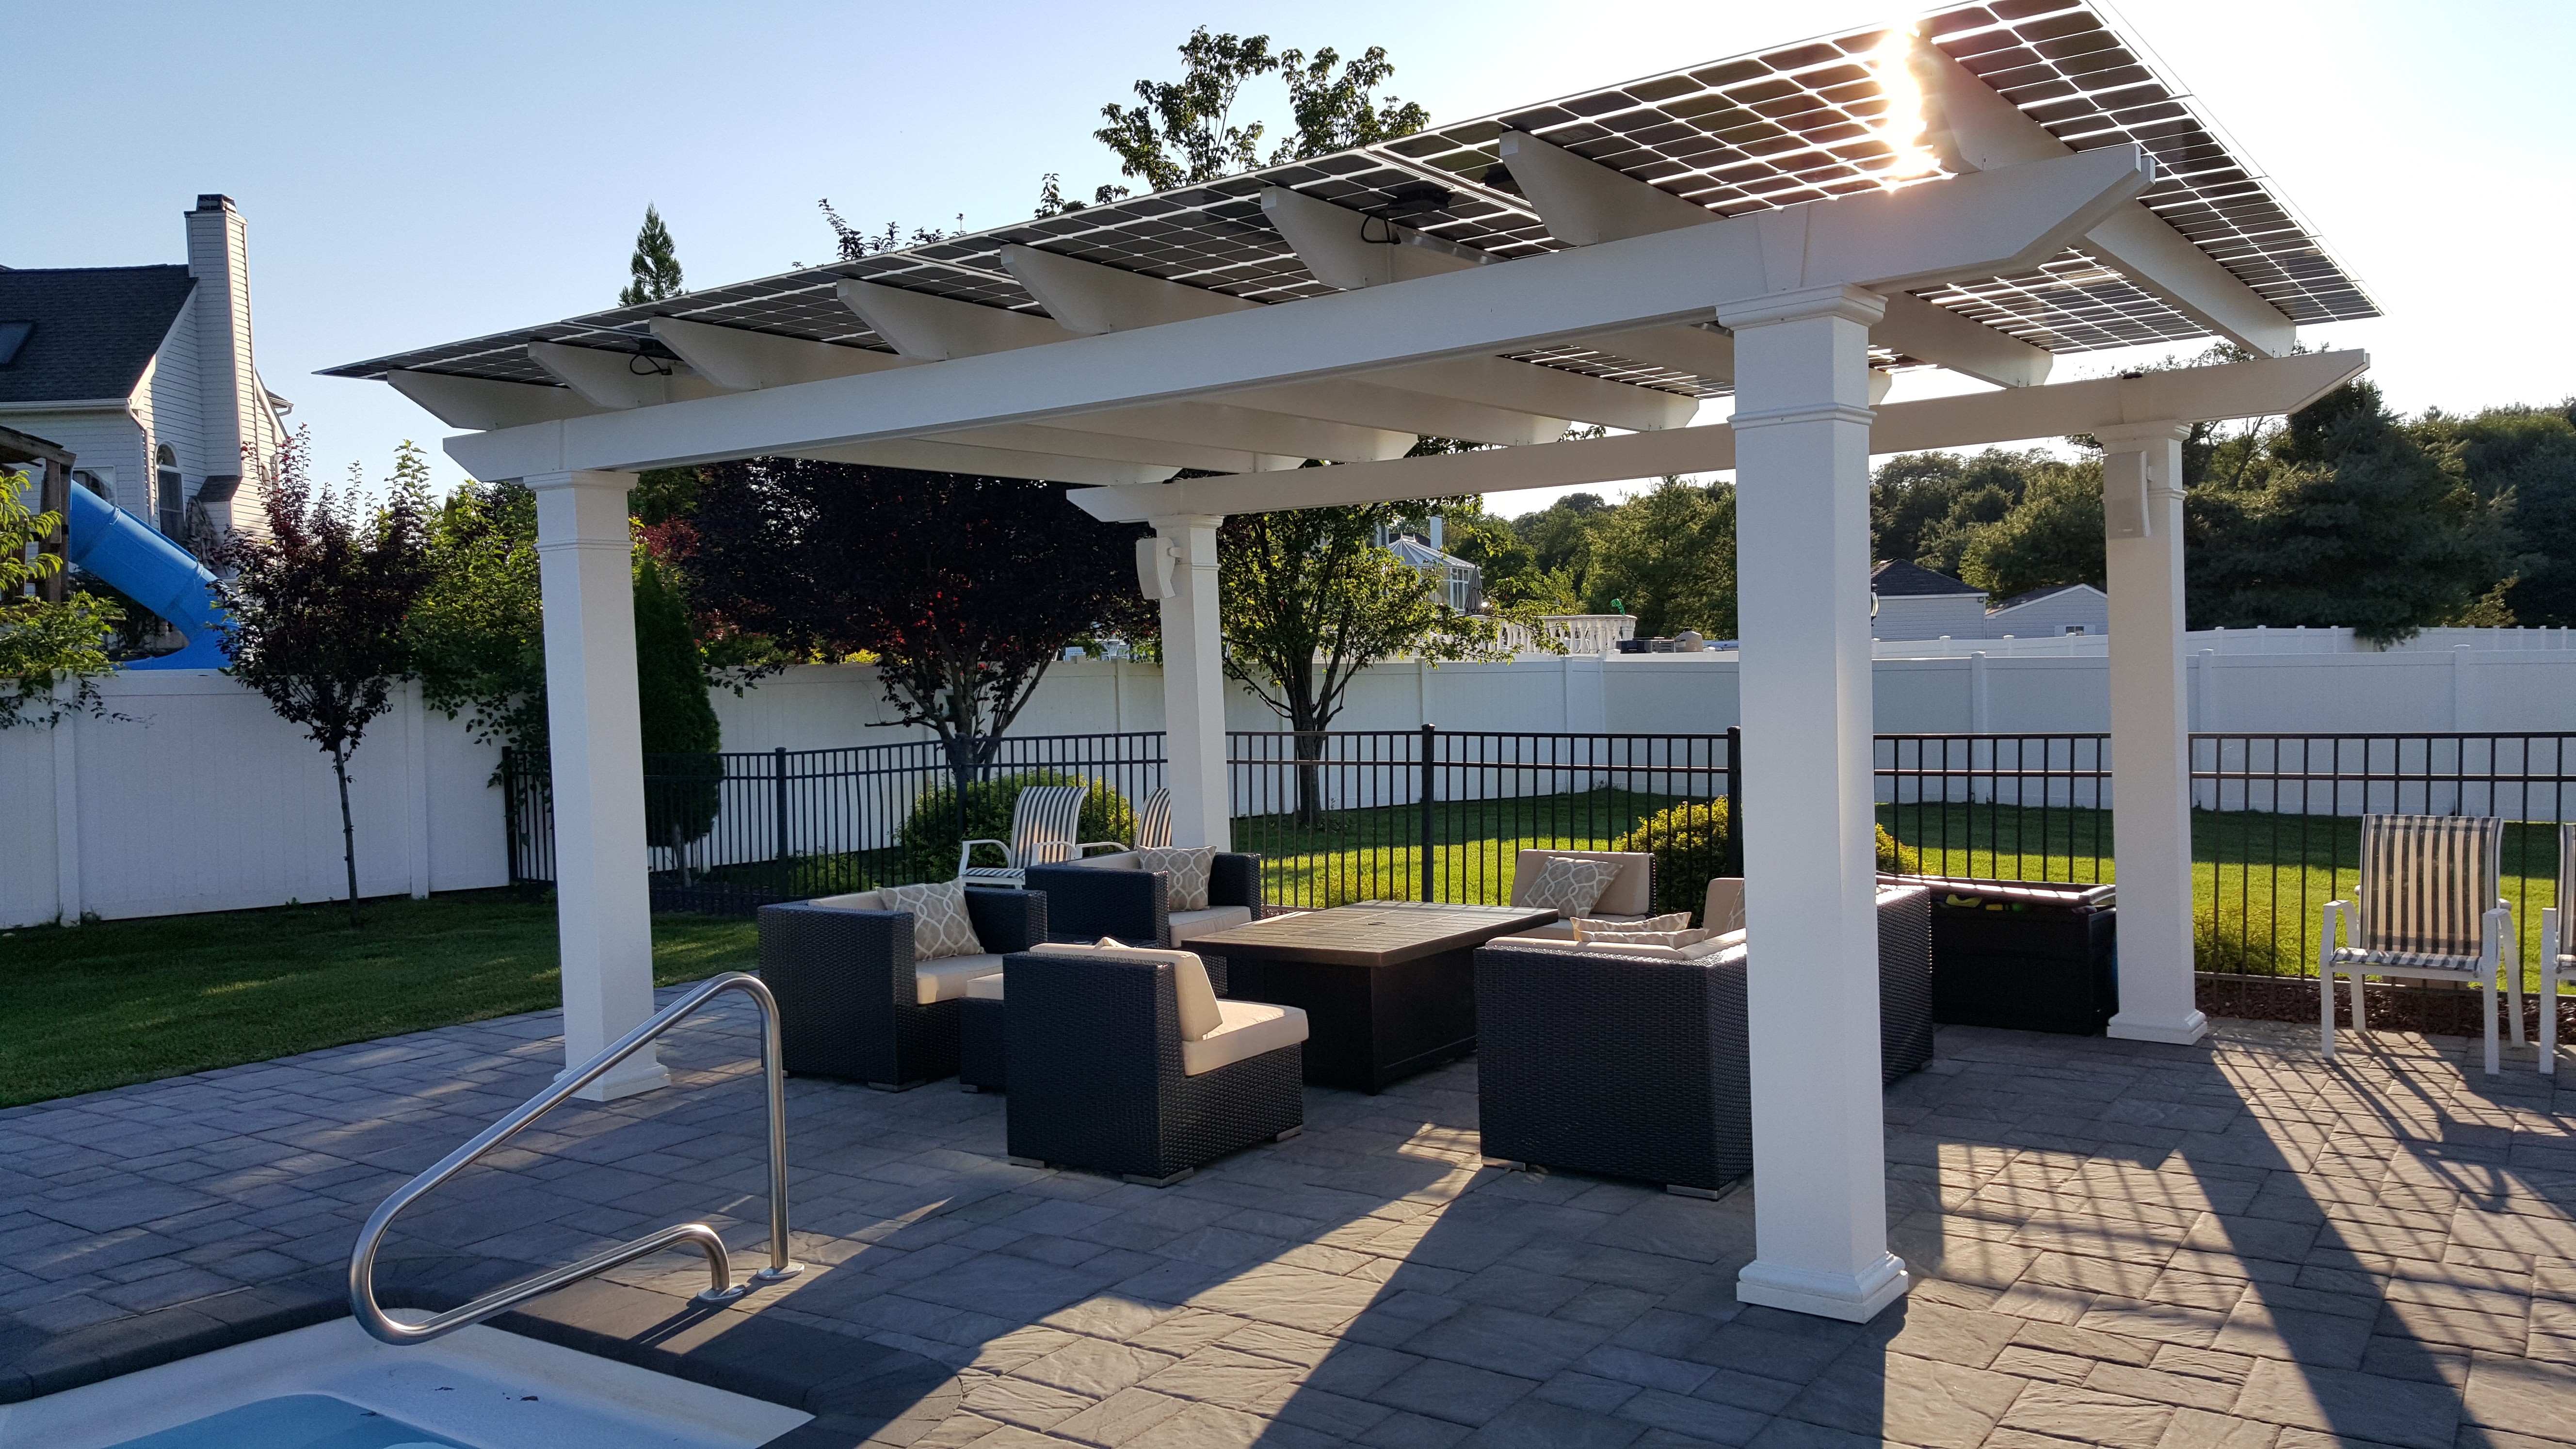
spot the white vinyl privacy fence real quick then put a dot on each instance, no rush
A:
(200, 799)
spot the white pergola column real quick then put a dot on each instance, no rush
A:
(1802, 422)
(603, 898)
(2150, 731)
(1193, 680)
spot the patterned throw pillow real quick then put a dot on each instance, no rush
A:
(1190, 867)
(1674, 938)
(1586, 928)
(940, 925)
(1569, 884)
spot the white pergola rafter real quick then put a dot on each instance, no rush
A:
(1609, 260)
(1967, 226)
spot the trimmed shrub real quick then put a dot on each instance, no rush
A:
(930, 836)
(1693, 842)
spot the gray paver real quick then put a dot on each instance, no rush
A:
(2225, 1246)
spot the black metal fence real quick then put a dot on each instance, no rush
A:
(2276, 819)
(1435, 814)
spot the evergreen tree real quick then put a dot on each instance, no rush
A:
(678, 723)
(655, 265)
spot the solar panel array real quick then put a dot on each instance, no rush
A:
(1791, 125)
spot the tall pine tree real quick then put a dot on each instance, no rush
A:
(655, 265)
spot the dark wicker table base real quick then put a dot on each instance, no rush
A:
(1369, 1027)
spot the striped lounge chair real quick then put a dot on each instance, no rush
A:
(2426, 908)
(1044, 821)
(2557, 949)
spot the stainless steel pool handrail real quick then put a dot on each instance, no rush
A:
(362, 1258)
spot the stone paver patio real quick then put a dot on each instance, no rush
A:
(2114, 1243)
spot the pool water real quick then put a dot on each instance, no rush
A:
(299, 1421)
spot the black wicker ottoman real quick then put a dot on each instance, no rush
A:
(981, 1045)
(1099, 1078)
(2025, 955)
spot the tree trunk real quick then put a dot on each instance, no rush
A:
(348, 832)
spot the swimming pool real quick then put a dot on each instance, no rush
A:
(332, 1387)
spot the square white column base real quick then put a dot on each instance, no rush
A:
(642, 1072)
(2139, 1028)
(1854, 1298)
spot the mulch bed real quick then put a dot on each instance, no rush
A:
(2432, 1008)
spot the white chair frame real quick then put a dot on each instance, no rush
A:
(2556, 958)
(2406, 837)
(1044, 821)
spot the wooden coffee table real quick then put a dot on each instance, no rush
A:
(1388, 987)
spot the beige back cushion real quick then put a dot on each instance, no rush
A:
(855, 901)
(1724, 908)
(1199, 1015)
(1121, 860)
(1630, 893)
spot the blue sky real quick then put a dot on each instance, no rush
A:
(414, 174)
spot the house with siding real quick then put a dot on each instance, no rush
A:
(145, 374)
(1909, 601)
(2062, 609)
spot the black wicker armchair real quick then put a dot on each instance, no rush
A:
(1104, 1077)
(1629, 1065)
(1109, 895)
(852, 1001)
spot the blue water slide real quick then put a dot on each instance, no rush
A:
(154, 572)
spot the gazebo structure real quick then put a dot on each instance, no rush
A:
(1981, 192)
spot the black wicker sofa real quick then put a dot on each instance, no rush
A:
(852, 1000)
(1593, 1060)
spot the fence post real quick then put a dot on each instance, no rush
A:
(778, 818)
(1430, 734)
(1731, 859)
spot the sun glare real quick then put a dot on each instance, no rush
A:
(1903, 126)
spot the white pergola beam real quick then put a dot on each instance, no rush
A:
(1368, 404)
(734, 357)
(485, 403)
(1936, 334)
(1120, 447)
(1586, 203)
(619, 380)
(1695, 350)
(2262, 387)
(1089, 298)
(1960, 227)
(1267, 434)
(941, 456)
(1976, 129)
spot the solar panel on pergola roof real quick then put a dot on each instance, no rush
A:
(1785, 126)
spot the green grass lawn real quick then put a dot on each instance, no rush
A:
(114, 1002)
(2260, 881)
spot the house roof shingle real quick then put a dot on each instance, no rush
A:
(1895, 579)
(95, 328)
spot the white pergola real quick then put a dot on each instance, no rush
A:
(1788, 227)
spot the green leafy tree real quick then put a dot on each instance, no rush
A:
(679, 723)
(1668, 556)
(2525, 456)
(477, 635)
(2345, 517)
(45, 646)
(1559, 538)
(316, 610)
(655, 267)
(2052, 537)
(1184, 132)
(1309, 599)
(1925, 506)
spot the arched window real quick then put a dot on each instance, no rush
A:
(170, 497)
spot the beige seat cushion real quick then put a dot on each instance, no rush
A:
(1190, 925)
(985, 988)
(1245, 1029)
(1189, 978)
(946, 979)
(1121, 860)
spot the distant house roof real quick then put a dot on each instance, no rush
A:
(2035, 595)
(1896, 579)
(94, 328)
